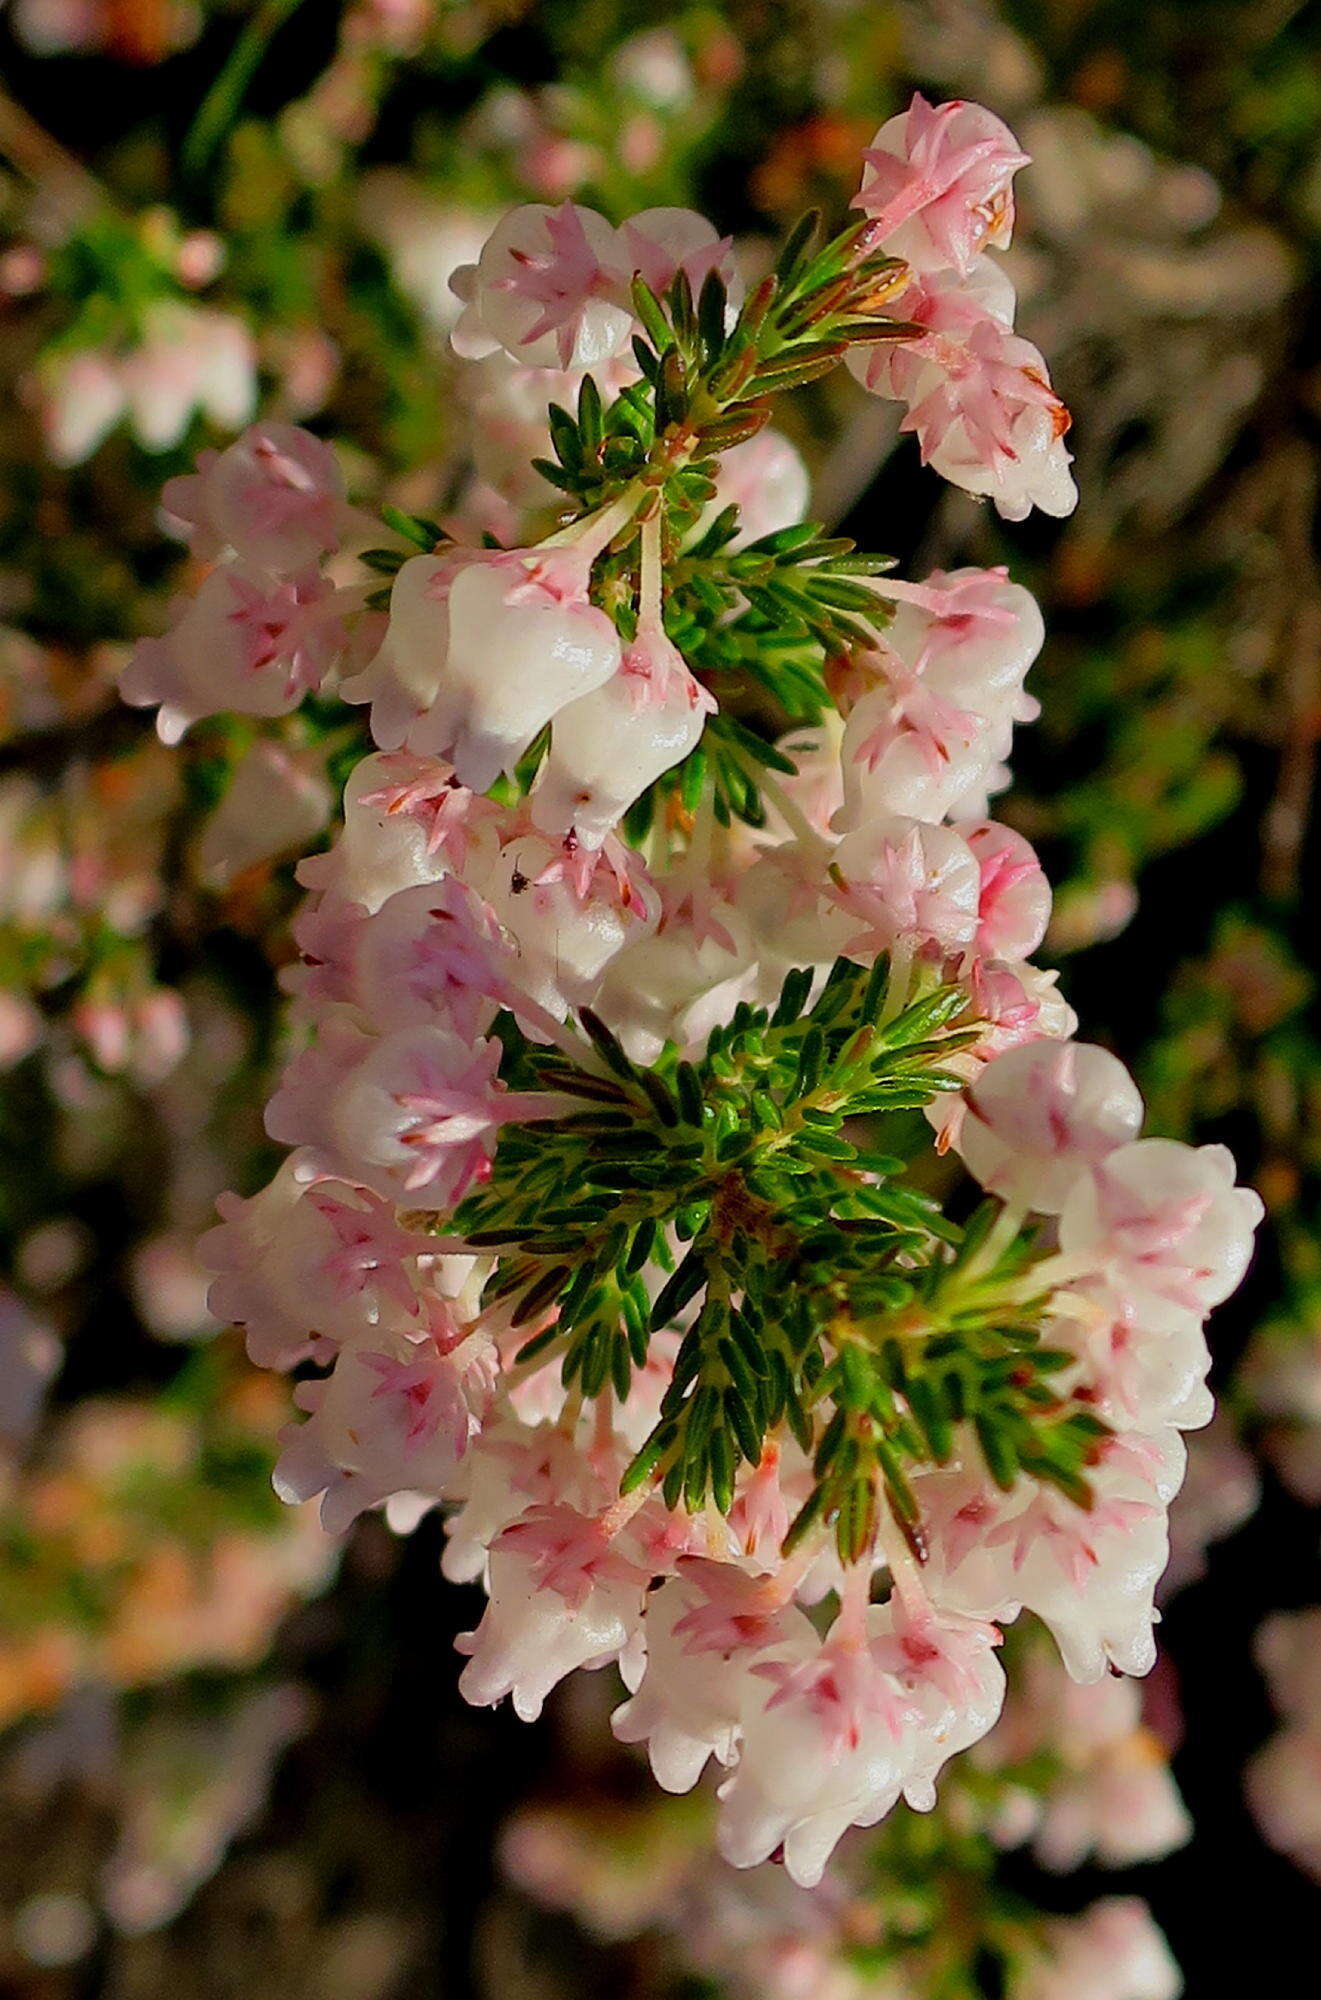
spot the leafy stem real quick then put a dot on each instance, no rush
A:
(754, 1202)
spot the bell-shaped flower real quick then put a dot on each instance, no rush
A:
(1165, 1222)
(275, 497)
(277, 802)
(190, 358)
(907, 883)
(939, 302)
(516, 1465)
(413, 1114)
(608, 747)
(658, 243)
(562, 1596)
(1140, 1366)
(971, 632)
(938, 184)
(570, 911)
(979, 396)
(1283, 1786)
(547, 289)
(987, 420)
(403, 679)
(1124, 1807)
(1113, 1951)
(1013, 908)
(1090, 1574)
(909, 750)
(298, 1267)
(781, 904)
(705, 1630)
(828, 1748)
(524, 641)
(1287, 1649)
(677, 982)
(434, 953)
(1039, 1117)
(947, 1666)
(247, 642)
(82, 399)
(394, 1415)
(407, 820)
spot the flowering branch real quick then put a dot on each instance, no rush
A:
(630, 1041)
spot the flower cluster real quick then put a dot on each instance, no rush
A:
(938, 183)
(1282, 1777)
(184, 359)
(665, 954)
(265, 627)
(1084, 1776)
(903, 1912)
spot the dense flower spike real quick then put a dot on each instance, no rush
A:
(612, 1018)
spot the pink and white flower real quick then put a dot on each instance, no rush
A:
(1040, 1117)
(938, 184)
(562, 1596)
(275, 498)
(546, 289)
(247, 641)
(610, 746)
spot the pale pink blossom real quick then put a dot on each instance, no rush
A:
(910, 883)
(246, 642)
(82, 399)
(545, 288)
(1167, 1221)
(1097, 1780)
(569, 911)
(277, 803)
(1283, 1782)
(1113, 1951)
(413, 1114)
(1014, 905)
(524, 640)
(434, 953)
(705, 1629)
(987, 419)
(394, 1412)
(1142, 1361)
(609, 746)
(824, 1749)
(275, 497)
(561, 1596)
(938, 184)
(407, 821)
(302, 1268)
(1089, 1574)
(978, 395)
(1040, 1116)
(403, 679)
(658, 243)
